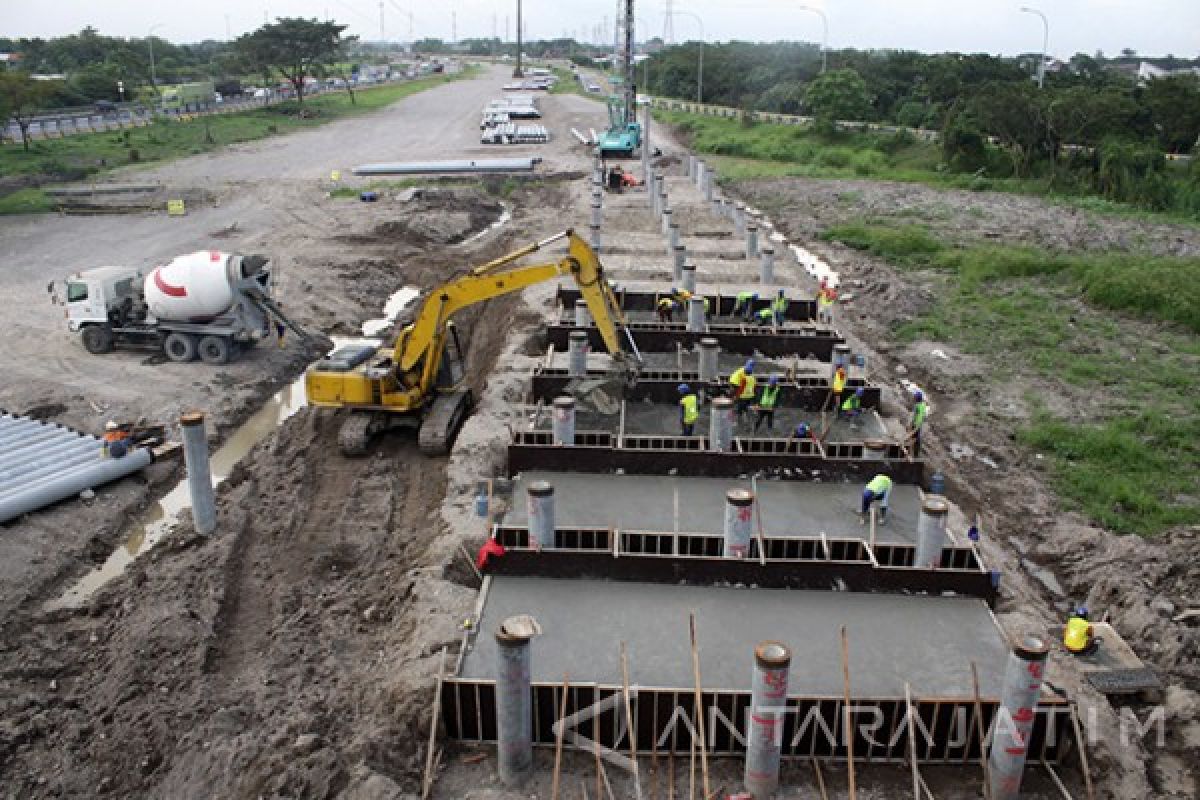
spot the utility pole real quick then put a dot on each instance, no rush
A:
(669, 24)
(1041, 73)
(453, 27)
(517, 73)
(381, 36)
(228, 35)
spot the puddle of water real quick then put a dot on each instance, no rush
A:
(159, 519)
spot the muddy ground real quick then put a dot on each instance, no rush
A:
(1058, 558)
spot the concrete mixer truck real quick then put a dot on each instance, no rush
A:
(208, 305)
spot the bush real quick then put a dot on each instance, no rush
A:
(910, 245)
(868, 162)
(837, 157)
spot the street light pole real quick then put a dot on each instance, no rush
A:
(1041, 73)
(150, 42)
(700, 61)
(824, 35)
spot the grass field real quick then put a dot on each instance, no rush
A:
(79, 156)
(1134, 468)
(768, 150)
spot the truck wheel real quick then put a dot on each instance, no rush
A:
(214, 350)
(180, 347)
(98, 339)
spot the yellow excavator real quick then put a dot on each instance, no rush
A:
(419, 382)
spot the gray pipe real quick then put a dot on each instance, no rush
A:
(751, 240)
(766, 267)
(739, 519)
(1018, 708)
(582, 317)
(199, 473)
(672, 237)
(564, 420)
(577, 347)
(708, 186)
(739, 218)
(514, 708)
(709, 351)
(688, 273)
(540, 508)
(69, 484)
(695, 315)
(720, 427)
(680, 253)
(29, 437)
(594, 236)
(931, 533)
(33, 474)
(15, 466)
(765, 718)
(481, 165)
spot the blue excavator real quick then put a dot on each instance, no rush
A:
(624, 135)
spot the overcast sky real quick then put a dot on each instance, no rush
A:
(1151, 27)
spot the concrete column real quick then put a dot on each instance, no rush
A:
(680, 253)
(662, 199)
(710, 349)
(766, 265)
(720, 425)
(672, 237)
(841, 358)
(739, 522)
(727, 208)
(716, 205)
(691, 165)
(577, 347)
(596, 218)
(199, 473)
(931, 532)
(655, 189)
(695, 315)
(651, 189)
(688, 271)
(539, 497)
(1018, 705)
(701, 168)
(751, 240)
(666, 220)
(766, 715)
(582, 317)
(514, 707)
(594, 237)
(708, 186)
(874, 449)
(564, 420)
(739, 218)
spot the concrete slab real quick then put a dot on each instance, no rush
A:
(658, 418)
(726, 363)
(647, 503)
(928, 642)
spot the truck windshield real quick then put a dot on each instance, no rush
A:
(76, 291)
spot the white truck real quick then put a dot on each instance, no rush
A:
(208, 304)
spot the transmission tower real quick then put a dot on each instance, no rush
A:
(669, 23)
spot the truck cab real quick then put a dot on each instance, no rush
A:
(103, 295)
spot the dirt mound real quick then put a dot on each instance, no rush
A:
(432, 216)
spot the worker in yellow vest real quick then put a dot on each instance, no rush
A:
(742, 384)
(919, 415)
(839, 386)
(766, 404)
(878, 489)
(665, 307)
(688, 409)
(1078, 636)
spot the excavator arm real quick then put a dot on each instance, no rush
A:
(424, 342)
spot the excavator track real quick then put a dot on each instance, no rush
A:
(355, 434)
(441, 424)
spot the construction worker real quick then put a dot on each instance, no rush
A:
(826, 296)
(839, 386)
(803, 431)
(741, 385)
(116, 440)
(765, 317)
(853, 405)
(743, 305)
(665, 308)
(490, 548)
(780, 306)
(766, 404)
(878, 488)
(1078, 636)
(919, 415)
(688, 410)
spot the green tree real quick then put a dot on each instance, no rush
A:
(1174, 106)
(294, 46)
(20, 98)
(839, 94)
(783, 98)
(1015, 114)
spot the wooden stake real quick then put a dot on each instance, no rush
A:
(983, 758)
(871, 511)
(912, 742)
(692, 760)
(654, 767)
(703, 743)
(1083, 759)
(470, 561)
(637, 778)
(820, 779)
(847, 727)
(670, 775)
(596, 750)
(427, 783)
(1058, 781)
(558, 740)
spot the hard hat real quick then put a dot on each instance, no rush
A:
(754, 296)
(110, 426)
(683, 388)
(781, 292)
(858, 392)
(750, 365)
(674, 290)
(802, 429)
(773, 380)
(918, 396)
(1081, 612)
